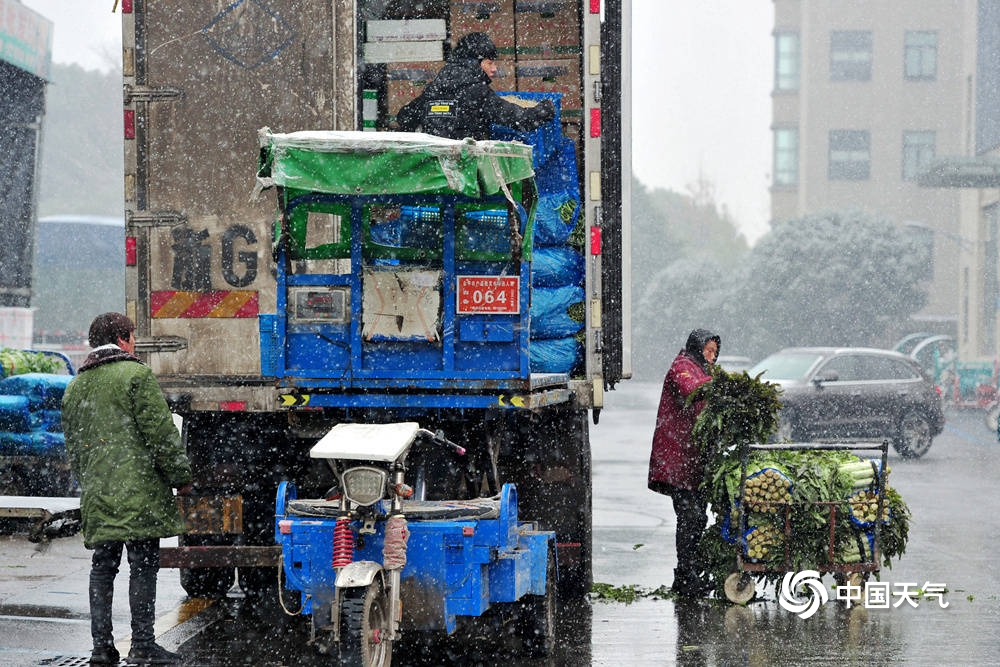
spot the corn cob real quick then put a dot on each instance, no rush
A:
(767, 487)
(864, 506)
(764, 541)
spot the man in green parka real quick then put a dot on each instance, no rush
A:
(127, 455)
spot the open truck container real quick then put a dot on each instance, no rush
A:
(263, 337)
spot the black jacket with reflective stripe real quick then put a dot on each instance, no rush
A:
(459, 103)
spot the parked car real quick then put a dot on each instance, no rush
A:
(734, 364)
(854, 394)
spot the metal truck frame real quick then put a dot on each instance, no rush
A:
(199, 81)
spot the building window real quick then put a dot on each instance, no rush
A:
(786, 61)
(786, 156)
(850, 155)
(921, 238)
(920, 55)
(851, 55)
(918, 152)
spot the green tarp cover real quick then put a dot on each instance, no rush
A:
(372, 163)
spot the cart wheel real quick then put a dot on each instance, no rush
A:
(739, 587)
(365, 620)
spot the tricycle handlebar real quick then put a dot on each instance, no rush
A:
(441, 440)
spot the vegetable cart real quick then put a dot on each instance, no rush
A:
(780, 502)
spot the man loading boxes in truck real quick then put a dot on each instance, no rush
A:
(459, 102)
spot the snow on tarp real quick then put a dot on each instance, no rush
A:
(358, 163)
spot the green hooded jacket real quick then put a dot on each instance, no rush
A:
(124, 449)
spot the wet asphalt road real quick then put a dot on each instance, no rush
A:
(953, 541)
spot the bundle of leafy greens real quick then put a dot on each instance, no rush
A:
(18, 362)
(738, 410)
(790, 496)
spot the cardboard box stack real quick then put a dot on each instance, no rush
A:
(494, 17)
(548, 50)
(405, 40)
(547, 28)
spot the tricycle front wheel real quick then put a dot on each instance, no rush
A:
(365, 619)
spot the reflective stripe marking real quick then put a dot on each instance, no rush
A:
(172, 304)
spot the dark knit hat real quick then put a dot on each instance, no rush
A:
(477, 45)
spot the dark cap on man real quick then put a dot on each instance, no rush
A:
(477, 45)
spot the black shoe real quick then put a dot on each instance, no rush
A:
(152, 654)
(105, 655)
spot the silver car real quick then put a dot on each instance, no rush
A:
(851, 393)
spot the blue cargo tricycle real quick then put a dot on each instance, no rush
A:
(371, 560)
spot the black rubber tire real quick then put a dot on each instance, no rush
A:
(536, 620)
(365, 621)
(913, 437)
(205, 582)
(547, 455)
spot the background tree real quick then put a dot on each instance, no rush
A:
(683, 250)
(839, 278)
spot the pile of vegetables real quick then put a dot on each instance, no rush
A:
(790, 496)
(19, 362)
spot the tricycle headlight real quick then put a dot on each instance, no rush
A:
(364, 486)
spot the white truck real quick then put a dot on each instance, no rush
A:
(260, 357)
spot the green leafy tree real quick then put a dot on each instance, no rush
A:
(838, 278)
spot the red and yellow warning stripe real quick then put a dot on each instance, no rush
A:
(219, 303)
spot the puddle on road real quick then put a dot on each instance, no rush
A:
(40, 611)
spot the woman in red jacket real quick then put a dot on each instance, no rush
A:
(676, 465)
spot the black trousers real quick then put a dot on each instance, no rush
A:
(144, 563)
(691, 508)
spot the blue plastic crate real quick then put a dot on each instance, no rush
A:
(485, 231)
(416, 227)
(543, 140)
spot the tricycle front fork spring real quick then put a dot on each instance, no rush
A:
(343, 543)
